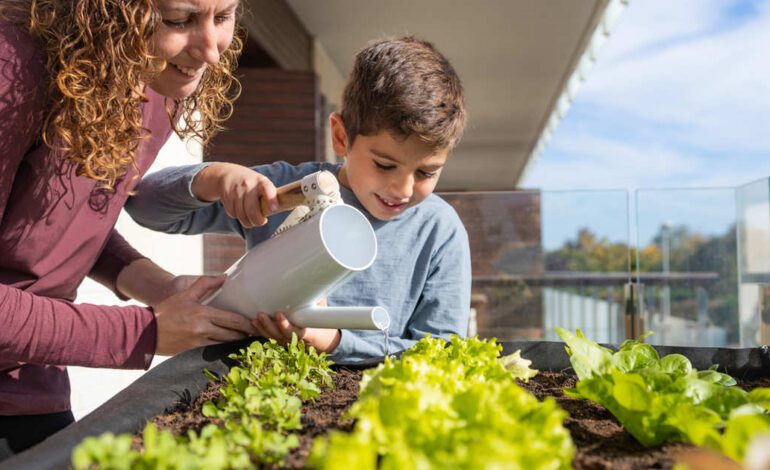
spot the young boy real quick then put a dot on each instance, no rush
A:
(402, 113)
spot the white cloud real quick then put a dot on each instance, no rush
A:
(646, 24)
(589, 162)
(679, 97)
(715, 86)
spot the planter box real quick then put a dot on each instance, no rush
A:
(180, 379)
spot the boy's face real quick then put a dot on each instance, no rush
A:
(387, 174)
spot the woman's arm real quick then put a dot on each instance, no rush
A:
(42, 330)
(145, 281)
(182, 321)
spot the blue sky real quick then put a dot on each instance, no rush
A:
(679, 97)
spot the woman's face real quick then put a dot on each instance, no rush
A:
(191, 37)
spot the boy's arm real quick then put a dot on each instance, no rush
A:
(445, 304)
(212, 197)
(443, 307)
(164, 202)
(239, 189)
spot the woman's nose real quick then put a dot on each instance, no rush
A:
(205, 47)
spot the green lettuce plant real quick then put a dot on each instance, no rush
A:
(665, 399)
(454, 405)
(259, 406)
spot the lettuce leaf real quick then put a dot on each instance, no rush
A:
(454, 405)
(661, 400)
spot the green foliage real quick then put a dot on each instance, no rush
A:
(259, 407)
(664, 399)
(589, 253)
(453, 405)
(688, 252)
(106, 451)
(162, 450)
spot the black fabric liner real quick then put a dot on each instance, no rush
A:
(181, 379)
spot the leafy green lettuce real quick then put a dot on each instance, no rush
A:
(260, 405)
(661, 400)
(453, 405)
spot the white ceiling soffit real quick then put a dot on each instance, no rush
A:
(515, 58)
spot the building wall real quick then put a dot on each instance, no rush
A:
(276, 118)
(331, 83)
(504, 232)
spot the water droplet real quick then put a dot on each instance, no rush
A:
(387, 341)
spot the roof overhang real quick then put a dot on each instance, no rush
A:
(520, 62)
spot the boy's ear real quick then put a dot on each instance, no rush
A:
(339, 135)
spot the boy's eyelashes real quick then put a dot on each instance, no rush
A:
(423, 173)
(383, 167)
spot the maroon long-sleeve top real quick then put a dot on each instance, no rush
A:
(55, 229)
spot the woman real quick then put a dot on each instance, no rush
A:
(89, 92)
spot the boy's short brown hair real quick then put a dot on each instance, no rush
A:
(407, 87)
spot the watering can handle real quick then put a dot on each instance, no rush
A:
(297, 193)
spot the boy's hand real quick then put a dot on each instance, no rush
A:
(240, 190)
(280, 329)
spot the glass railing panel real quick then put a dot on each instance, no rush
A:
(687, 264)
(587, 262)
(547, 259)
(753, 206)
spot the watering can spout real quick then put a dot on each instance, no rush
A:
(353, 318)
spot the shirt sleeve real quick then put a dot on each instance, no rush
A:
(445, 303)
(164, 202)
(116, 255)
(443, 308)
(40, 330)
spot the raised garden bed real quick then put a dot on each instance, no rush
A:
(178, 383)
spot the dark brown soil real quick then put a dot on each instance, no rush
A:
(326, 414)
(318, 417)
(600, 440)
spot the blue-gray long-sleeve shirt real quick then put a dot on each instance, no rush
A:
(422, 274)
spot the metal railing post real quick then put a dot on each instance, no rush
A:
(764, 314)
(633, 295)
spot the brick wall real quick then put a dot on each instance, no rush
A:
(276, 118)
(504, 235)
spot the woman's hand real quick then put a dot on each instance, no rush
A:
(145, 281)
(280, 329)
(177, 284)
(183, 323)
(240, 190)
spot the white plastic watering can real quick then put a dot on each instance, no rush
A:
(291, 272)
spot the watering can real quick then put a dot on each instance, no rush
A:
(319, 248)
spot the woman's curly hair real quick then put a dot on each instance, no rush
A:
(98, 55)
